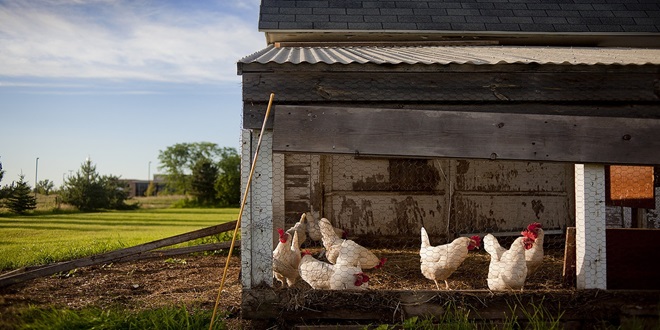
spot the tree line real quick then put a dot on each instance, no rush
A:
(207, 174)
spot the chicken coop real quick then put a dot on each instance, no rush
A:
(390, 135)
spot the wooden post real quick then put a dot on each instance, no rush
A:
(569, 258)
(590, 247)
(257, 219)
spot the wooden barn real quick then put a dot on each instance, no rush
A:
(463, 117)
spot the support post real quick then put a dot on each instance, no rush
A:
(590, 226)
(257, 219)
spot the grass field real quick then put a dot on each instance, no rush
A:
(47, 237)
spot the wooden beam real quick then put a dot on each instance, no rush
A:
(179, 251)
(581, 307)
(386, 43)
(113, 255)
(445, 134)
(253, 113)
(527, 86)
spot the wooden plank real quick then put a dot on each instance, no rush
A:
(581, 308)
(568, 273)
(534, 86)
(114, 255)
(495, 136)
(180, 251)
(253, 113)
(386, 43)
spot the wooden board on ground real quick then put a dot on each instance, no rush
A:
(28, 274)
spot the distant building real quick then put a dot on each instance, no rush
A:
(139, 187)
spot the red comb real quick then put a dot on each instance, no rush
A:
(534, 226)
(529, 234)
(381, 263)
(281, 231)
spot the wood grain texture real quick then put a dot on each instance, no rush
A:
(451, 86)
(253, 113)
(431, 134)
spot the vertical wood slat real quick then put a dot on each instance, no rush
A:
(568, 273)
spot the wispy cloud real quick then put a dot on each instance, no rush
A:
(156, 41)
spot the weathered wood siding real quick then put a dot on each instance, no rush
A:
(476, 135)
(497, 196)
(395, 197)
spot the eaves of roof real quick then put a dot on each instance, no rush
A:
(443, 55)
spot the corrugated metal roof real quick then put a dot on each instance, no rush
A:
(478, 55)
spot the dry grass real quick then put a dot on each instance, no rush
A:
(402, 272)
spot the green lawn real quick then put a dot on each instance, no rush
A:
(46, 238)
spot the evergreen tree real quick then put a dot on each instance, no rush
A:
(21, 199)
(3, 190)
(89, 191)
(204, 175)
(116, 192)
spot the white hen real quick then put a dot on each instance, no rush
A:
(315, 272)
(286, 258)
(299, 227)
(314, 230)
(324, 276)
(348, 277)
(508, 271)
(534, 256)
(439, 262)
(346, 251)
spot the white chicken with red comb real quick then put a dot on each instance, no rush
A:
(507, 269)
(286, 258)
(346, 251)
(325, 276)
(534, 256)
(315, 272)
(439, 262)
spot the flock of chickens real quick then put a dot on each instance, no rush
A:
(346, 259)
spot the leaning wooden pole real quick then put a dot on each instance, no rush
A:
(240, 212)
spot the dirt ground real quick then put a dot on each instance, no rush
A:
(145, 284)
(195, 281)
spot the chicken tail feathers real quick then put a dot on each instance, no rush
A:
(425, 238)
(381, 263)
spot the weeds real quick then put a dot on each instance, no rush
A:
(95, 318)
(537, 317)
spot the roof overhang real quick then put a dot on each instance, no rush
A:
(428, 54)
(591, 39)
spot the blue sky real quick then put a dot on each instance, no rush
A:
(118, 81)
